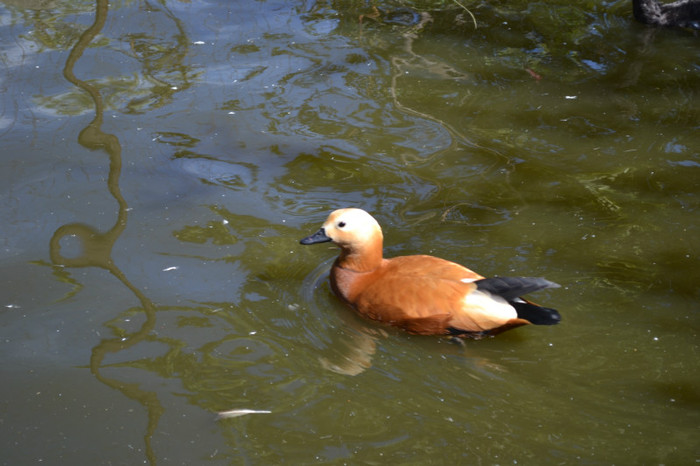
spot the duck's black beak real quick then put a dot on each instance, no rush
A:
(318, 237)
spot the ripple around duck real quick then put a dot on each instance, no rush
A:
(347, 342)
(232, 175)
(314, 295)
(475, 215)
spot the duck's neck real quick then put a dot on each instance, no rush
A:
(363, 259)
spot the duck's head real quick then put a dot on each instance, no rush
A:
(354, 230)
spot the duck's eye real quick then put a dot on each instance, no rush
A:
(341, 224)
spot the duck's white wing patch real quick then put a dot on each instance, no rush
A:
(468, 280)
(485, 307)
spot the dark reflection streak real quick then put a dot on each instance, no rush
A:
(97, 247)
(640, 58)
(11, 126)
(400, 65)
(155, 60)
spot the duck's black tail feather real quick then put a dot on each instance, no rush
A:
(535, 314)
(511, 288)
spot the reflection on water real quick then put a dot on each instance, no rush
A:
(526, 139)
(96, 247)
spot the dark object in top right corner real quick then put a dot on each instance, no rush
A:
(681, 13)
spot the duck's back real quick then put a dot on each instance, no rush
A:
(422, 294)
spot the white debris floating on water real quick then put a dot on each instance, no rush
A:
(240, 412)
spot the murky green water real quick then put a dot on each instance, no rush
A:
(161, 161)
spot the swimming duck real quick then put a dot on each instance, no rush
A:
(681, 13)
(423, 294)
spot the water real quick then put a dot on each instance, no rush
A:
(162, 160)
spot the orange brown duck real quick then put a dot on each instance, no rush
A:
(423, 294)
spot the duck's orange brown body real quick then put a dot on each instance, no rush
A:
(422, 294)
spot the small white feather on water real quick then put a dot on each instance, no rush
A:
(240, 412)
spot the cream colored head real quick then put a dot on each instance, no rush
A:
(352, 228)
(359, 236)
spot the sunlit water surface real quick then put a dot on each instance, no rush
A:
(161, 161)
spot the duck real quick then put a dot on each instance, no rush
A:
(422, 294)
(681, 13)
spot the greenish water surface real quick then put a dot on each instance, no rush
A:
(161, 160)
